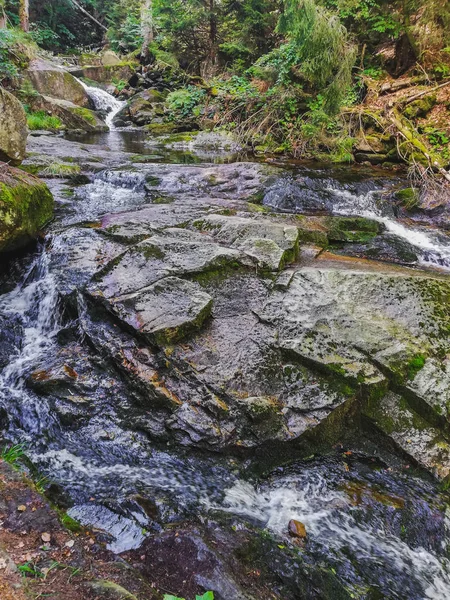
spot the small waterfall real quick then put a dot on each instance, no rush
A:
(432, 247)
(35, 302)
(104, 102)
(341, 530)
(309, 194)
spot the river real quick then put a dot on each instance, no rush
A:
(381, 530)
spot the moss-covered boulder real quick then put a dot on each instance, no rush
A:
(421, 107)
(71, 115)
(110, 59)
(57, 83)
(26, 205)
(13, 128)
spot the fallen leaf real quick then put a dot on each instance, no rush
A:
(69, 544)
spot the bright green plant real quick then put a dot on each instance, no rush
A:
(41, 120)
(29, 569)
(13, 454)
(185, 102)
(205, 596)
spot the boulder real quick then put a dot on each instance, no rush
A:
(71, 115)
(110, 59)
(104, 73)
(13, 129)
(58, 83)
(26, 205)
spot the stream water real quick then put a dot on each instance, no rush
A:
(378, 530)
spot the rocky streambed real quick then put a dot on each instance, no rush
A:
(198, 354)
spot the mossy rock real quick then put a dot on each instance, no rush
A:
(108, 590)
(71, 115)
(26, 205)
(160, 128)
(421, 107)
(351, 229)
(408, 198)
(13, 128)
(58, 84)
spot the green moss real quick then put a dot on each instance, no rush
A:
(26, 205)
(85, 114)
(421, 107)
(160, 128)
(415, 365)
(351, 229)
(70, 524)
(144, 158)
(152, 181)
(41, 120)
(408, 197)
(257, 208)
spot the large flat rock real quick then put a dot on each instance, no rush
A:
(171, 252)
(273, 245)
(165, 311)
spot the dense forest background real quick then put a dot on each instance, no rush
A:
(286, 74)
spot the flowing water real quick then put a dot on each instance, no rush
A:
(374, 528)
(316, 192)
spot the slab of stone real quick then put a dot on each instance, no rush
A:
(272, 244)
(363, 327)
(171, 252)
(165, 311)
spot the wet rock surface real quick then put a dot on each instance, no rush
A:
(13, 129)
(183, 338)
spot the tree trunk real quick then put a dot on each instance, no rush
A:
(146, 28)
(24, 15)
(210, 65)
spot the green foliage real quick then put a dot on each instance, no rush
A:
(8, 69)
(13, 454)
(127, 36)
(415, 365)
(29, 569)
(319, 49)
(186, 101)
(437, 137)
(119, 84)
(41, 120)
(206, 596)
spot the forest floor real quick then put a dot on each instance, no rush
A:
(77, 565)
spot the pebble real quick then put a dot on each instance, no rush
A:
(297, 529)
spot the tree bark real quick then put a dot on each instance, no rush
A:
(146, 28)
(24, 15)
(210, 64)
